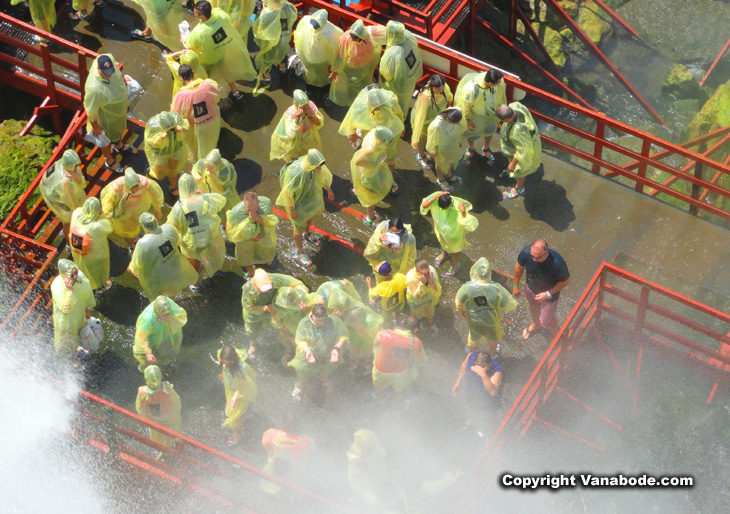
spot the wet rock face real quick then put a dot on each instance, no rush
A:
(682, 84)
(714, 114)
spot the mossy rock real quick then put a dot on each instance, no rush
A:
(22, 159)
(553, 42)
(570, 7)
(713, 115)
(594, 22)
(681, 83)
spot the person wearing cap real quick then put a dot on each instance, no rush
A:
(433, 98)
(197, 102)
(251, 226)
(521, 144)
(157, 401)
(482, 303)
(424, 291)
(371, 175)
(398, 357)
(325, 290)
(443, 144)
(162, 18)
(73, 300)
(197, 221)
(357, 56)
(316, 41)
(63, 188)
(164, 146)
(239, 384)
(106, 105)
(401, 65)
(158, 335)
(392, 241)
(176, 59)
(257, 298)
(88, 235)
(240, 12)
(157, 261)
(479, 94)
(272, 31)
(302, 182)
(451, 222)
(289, 307)
(221, 49)
(125, 198)
(390, 289)
(214, 174)
(320, 339)
(297, 130)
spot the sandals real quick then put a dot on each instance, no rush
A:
(454, 179)
(238, 95)
(468, 155)
(303, 259)
(286, 358)
(296, 394)
(440, 259)
(503, 175)
(527, 333)
(453, 270)
(313, 239)
(394, 189)
(79, 16)
(233, 441)
(423, 161)
(512, 193)
(251, 352)
(125, 149)
(490, 159)
(370, 221)
(102, 290)
(138, 34)
(110, 167)
(195, 289)
(444, 185)
(100, 4)
(328, 102)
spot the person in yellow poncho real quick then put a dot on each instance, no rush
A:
(521, 144)
(157, 261)
(289, 307)
(391, 290)
(214, 174)
(325, 290)
(443, 144)
(158, 333)
(434, 98)
(43, 14)
(272, 32)
(89, 244)
(479, 94)
(164, 146)
(240, 12)
(316, 41)
(368, 471)
(482, 303)
(401, 65)
(73, 300)
(451, 223)
(197, 221)
(63, 188)
(361, 321)
(176, 59)
(197, 102)
(251, 225)
(162, 18)
(158, 401)
(424, 291)
(302, 182)
(125, 198)
(357, 56)
(219, 46)
(239, 383)
(298, 129)
(371, 175)
(392, 241)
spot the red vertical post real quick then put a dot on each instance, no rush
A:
(598, 145)
(51, 86)
(513, 20)
(83, 73)
(699, 168)
(645, 148)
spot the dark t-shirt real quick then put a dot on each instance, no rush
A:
(542, 276)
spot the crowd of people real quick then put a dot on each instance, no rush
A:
(318, 329)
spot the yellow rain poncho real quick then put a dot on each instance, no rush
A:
(356, 61)
(63, 186)
(159, 332)
(191, 59)
(320, 340)
(288, 310)
(240, 12)
(163, 17)
(317, 48)
(401, 258)
(371, 175)
(105, 101)
(255, 242)
(521, 140)
(214, 174)
(272, 32)
(241, 381)
(484, 302)
(366, 467)
(373, 107)
(89, 243)
(422, 298)
(254, 301)
(361, 321)
(159, 402)
(301, 188)
(443, 142)
(425, 110)
(69, 307)
(296, 133)
(163, 142)
(221, 49)
(198, 103)
(324, 291)
(42, 12)
(157, 261)
(196, 218)
(478, 103)
(123, 207)
(401, 65)
(450, 226)
(392, 293)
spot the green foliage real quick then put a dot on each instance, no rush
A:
(21, 158)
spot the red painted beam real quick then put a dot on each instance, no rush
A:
(618, 19)
(717, 59)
